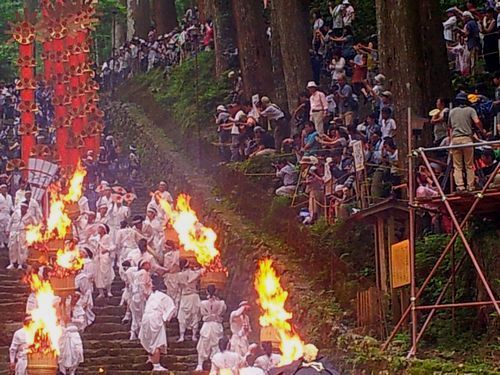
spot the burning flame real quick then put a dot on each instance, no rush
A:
(58, 222)
(272, 299)
(69, 259)
(76, 185)
(193, 235)
(43, 331)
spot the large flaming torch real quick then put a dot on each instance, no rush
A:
(275, 319)
(43, 331)
(196, 240)
(63, 207)
(67, 264)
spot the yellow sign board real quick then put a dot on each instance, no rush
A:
(400, 264)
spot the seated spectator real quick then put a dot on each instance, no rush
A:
(289, 175)
(314, 187)
(264, 142)
(388, 124)
(336, 138)
(311, 143)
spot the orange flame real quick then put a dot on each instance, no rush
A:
(193, 235)
(76, 185)
(272, 299)
(69, 259)
(58, 222)
(43, 331)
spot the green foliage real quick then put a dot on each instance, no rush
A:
(8, 51)
(108, 11)
(191, 92)
(365, 23)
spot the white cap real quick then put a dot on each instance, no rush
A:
(311, 84)
(221, 108)
(467, 14)
(345, 2)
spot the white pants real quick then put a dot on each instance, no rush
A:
(18, 251)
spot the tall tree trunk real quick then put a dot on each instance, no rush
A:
(138, 18)
(254, 51)
(293, 28)
(413, 57)
(121, 27)
(164, 16)
(220, 11)
(204, 13)
(277, 61)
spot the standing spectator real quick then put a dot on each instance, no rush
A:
(347, 104)
(440, 121)
(349, 13)
(462, 120)
(471, 31)
(337, 13)
(489, 29)
(223, 130)
(318, 21)
(277, 120)
(301, 114)
(319, 106)
(449, 26)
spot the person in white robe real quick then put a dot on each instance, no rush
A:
(71, 350)
(118, 214)
(162, 189)
(126, 241)
(20, 195)
(84, 302)
(18, 352)
(31, 303)
(251, 367)
(6, 207)
(34, 208)
(104, 273)
(141, 289)
(85, 226)
(143, 229)
(103, 216)
(240, 328)
(18, 249)
(212, 312)
(83, 204)
(128, 278)
(189, 305)
(172, 269)
(268, 360)
(226, 361)
(105, 195)
(157, 227)
(159, 309)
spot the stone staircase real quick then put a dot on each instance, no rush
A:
(107, 347)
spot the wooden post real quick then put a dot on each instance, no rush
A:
(395, 304)
(382, 254)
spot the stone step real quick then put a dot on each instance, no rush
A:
(93, 368)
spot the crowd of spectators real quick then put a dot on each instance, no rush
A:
(158, 50)
(471, 33)
(347, 110)
(10, 119)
